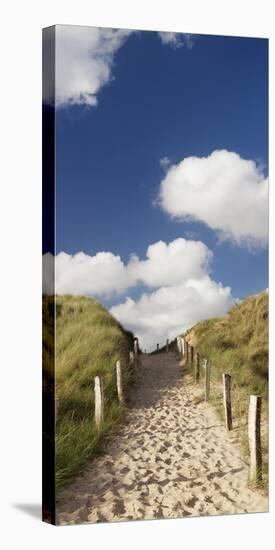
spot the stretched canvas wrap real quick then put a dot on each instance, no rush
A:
(155, 275)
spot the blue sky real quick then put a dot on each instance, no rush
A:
(173, 100)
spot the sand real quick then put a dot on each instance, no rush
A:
(172, 458)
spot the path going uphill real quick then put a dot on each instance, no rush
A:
(172, 458)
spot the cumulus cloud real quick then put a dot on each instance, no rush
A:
(101, 275)
(168, 311)
(84, 59)
(224, 191)
(105, 274)
(170, 264)
(177, 39)
(177, 276)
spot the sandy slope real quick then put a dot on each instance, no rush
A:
(172, 459)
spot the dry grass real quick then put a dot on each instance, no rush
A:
(238, 345)
(89, 341)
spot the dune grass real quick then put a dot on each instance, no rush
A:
(89, 341)
(237, 344)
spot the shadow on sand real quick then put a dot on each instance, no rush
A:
(155, 374)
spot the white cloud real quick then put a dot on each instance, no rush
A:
(177, 273)
(84, 58)
(169, 311)
(100, 275)
(170, 264)
(105, 274)
(223, 190)
(177, 39)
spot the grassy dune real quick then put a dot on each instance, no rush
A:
(238, 345)
(89, 341)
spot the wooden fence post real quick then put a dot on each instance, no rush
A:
(191, 355)
(135, 351)
(157, 348)
(99, 402)
(119, 382)
(197, 367)
(186, 352)
(182, 341)
(207, 379)
(167, 345)
(254, 438)
(227, 400)
(136, 346)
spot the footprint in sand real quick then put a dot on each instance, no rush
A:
(188, 450)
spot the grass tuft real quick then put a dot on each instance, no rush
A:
(237, 344)
(89, 341)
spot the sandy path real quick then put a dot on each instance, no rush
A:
(171, 459)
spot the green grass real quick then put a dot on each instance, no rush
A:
(237, 344)
(89, 341)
